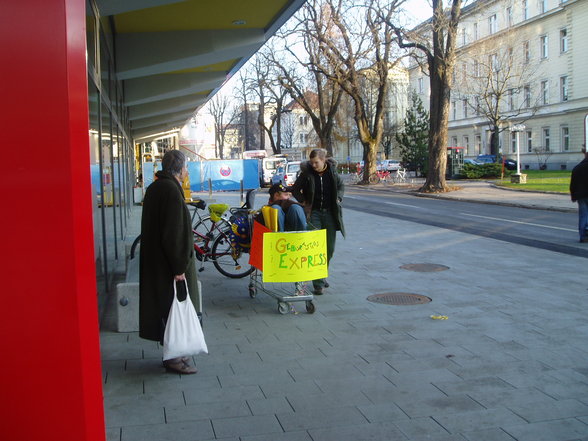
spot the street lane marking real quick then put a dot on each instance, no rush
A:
(378, 201)
(518, 222)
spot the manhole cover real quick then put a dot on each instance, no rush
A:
(399, 298)
(424, 267)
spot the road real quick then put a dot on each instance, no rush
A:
(549, 230)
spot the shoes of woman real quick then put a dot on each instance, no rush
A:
(179, 366)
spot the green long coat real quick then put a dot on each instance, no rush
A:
(167, 249)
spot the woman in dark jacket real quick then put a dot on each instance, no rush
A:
(167, 253)
(320, 190)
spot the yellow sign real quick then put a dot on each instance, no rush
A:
(295, 256)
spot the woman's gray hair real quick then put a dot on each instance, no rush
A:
(173, 162)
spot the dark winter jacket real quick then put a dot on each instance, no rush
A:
(304, 190)
(167, 249)
(579, 181)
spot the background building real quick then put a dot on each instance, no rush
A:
(520, 62)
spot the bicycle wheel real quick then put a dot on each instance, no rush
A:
(228, 260)
(206, 227)
(374, 178)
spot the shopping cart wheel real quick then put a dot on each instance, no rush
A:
(283, 308)
(252, 291)
(310, 307)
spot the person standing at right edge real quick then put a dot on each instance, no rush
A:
(320, 190)
(579, 193)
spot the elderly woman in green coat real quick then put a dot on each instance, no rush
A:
(167, 253)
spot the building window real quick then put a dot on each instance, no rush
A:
(303, 138)
(563, 88)
(542, 6)
(478, 145)
(493, 62)
(544, 46)
(525, 10)
(464, 37)
(492, 24)
(529, 141)
(513, 142)
(453, 110)
(510, 99)
(476, 35)
(563, 40)
(527, 96)
(509, 21)
(546, 139)
(526, 52)
(454, 141)
(476, 69)
(565, 138)
(465, 106)
(420, 85)
(477, 102)
(544, 92)
(466, 144)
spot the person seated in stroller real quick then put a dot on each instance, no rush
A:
(291, 216)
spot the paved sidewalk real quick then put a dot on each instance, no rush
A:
(510, 362)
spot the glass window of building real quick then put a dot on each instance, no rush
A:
(529, 141)
(563, 88)
(547, 139)
(478, 145)
(492, 25)
(544, 92)
(465, 106)
(526, 52)
(476, 34)
(544, 46)
(563, 40)
(542, 6)
(527, 96)
(525, 9)
(565, 138)
(509, 20)
(513, 142)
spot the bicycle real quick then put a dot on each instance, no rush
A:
(228, 257)
(379, 176)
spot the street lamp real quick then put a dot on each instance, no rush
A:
(518, 128)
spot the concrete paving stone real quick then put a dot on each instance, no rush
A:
(109, 337)
(551, 411)
(439, 406)
(123, 351)
(566, 375)
(508, 398)
(280, 389)
(212, 395)
(326, 370)
(336, 384)
(185, 431)
(178, 383)
(251, 378)
(478, 420)
(269, 406)
(122, 385)
(346, 313)
(196, 412)
(253, 366)
(382, 413)
(113, 433)
(321, 418)
(410, 364)
(144, 366)
(421, 428)
(163, 399)
(377, 368)
(487, 435)
(562, 391)
(418, 376)
(382, 394)
(305, 402)
(113, 367)
(363, 432)
(565, 429)
(290, 436)
(329, 359)
(527, 379)
(122, 414)
(481, 385)
(513, 370)
(243, 426)
(583, 419)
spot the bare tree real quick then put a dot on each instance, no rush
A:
(440, 56)
(223, 114)
(495, 82)
(246, 119)
(308, 87)
(355, 40)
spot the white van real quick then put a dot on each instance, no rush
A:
(269, 166)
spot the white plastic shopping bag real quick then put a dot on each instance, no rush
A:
(183, 335)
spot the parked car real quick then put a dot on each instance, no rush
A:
(472, 161)
(390, 165)
(287, 174)
(510, 164)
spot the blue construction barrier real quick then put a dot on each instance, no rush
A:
(224, 175)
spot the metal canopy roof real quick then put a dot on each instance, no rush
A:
(172, 56)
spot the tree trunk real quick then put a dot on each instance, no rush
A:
(494, 147)
(369, 164)
(439, 112)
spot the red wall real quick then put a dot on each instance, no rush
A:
(50, 379)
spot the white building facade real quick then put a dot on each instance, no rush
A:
(538, 49)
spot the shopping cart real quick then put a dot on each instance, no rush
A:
(286, 293)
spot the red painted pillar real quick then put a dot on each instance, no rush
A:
(50, 379)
